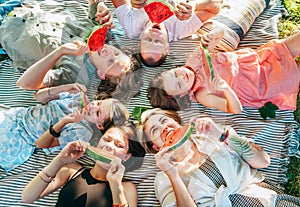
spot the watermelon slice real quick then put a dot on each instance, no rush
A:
(83, 101)
(179, 136)
(158, 10)
(100, 155)
(207, 65)
(96, 38)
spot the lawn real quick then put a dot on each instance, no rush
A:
(289, 25)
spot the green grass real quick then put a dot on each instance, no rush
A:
(287, 26)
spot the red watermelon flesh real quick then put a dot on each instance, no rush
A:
(159, 11)
(96, 38)
(178, 137)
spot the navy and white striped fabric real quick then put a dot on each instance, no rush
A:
(279, 136)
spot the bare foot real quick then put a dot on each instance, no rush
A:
(211, 39)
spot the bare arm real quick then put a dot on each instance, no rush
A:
(33, 77)
(46, 94)
(182, 195)
(46, 140)
(250, 152)
(229, 103)
(114, 177)
(42, 184)
(293, 43)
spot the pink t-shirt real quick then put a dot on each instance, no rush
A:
(268, 73)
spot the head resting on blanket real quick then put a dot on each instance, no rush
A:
(123, 81)
(154, 45)
(154, 124)
(121, 140)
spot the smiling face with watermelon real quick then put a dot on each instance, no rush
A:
(158, 128)
(109, 60)
(154, 45)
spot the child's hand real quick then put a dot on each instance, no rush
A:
(74, 88)
(164, 160)
(103, 15)
(219, 84)
(76, 48)
(75, 117)
(116, 171)
(194, 59)
(207, 127)
(183, 11)
(73, 151)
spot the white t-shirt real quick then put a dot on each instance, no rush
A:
(238, 175)
(135, 20)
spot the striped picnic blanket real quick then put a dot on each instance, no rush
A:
(279, 136)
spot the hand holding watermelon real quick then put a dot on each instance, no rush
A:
(103, 15)
(76, 48)
(183, 11)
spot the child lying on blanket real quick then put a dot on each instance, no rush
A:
(154, 38)
(103, 184)
(54, 124)
(245, 77)
(110, 63)
(216, 167)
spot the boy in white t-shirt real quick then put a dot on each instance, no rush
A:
(155, 38)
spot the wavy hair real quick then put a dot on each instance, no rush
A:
(140, 127)
(159, 98)
(123, 87)
(135, 148)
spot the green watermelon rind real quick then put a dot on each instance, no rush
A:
(81, 99)
(162, 1)
(211, 69)
(186, 136)
(96, 156)
(86, 39)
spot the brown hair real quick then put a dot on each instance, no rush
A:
(159, 98)
(135, 148)
(146, 142)
(150, 61)
(125, 86)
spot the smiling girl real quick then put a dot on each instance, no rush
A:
(103, 184)
(244, 77)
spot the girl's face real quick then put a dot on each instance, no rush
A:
(115, 143)
(158, 127)
(99, 112)
(110, 61)
(178, 81)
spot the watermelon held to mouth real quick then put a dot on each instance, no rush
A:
(100, 155)
(96, 38)
(158, 10)
(83, 101)
(179, 136)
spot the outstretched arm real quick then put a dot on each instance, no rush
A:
(183, 198)
(56, 174)
(33, 77)
(229, 102)
(48, 140)
(252, 153)
(293, 43)
(46, 94)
